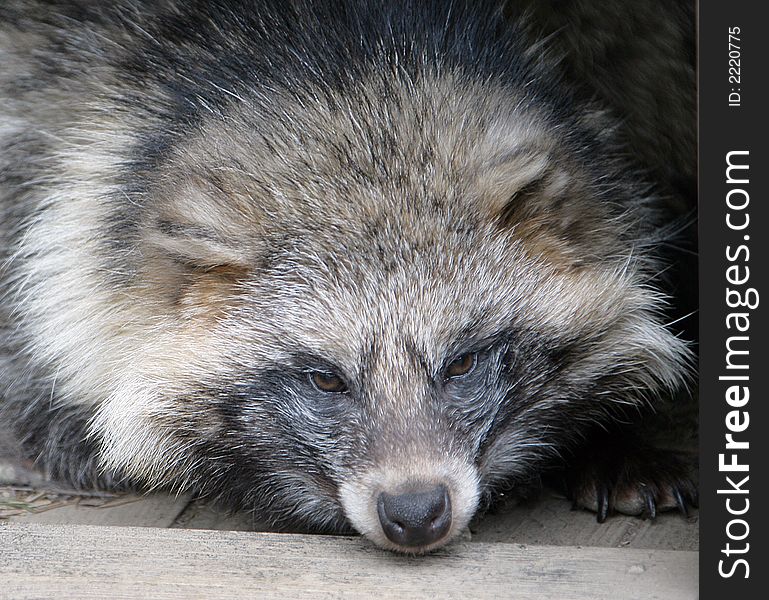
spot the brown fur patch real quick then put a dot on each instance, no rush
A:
(208, 294)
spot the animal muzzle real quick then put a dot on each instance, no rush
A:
(412, 505)
(417, 518)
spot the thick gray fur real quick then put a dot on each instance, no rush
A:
(205, 203)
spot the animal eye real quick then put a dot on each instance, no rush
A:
(461, 366)
(327, 382)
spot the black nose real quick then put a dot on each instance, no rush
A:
(416, 518)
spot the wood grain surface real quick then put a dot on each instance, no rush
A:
(71, 561)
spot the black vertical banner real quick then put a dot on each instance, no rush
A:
(734, 296)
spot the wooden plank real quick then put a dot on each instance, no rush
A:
(201, 515)
(116, 562)
(546, 521)
(154, 510)
(27, 496)
(549, 521)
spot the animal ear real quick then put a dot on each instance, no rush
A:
(199, 243)
(521, 202)
(520, 187)
(527, 180)
(197, 223)
(548, 206)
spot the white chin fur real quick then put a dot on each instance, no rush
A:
(359, 496)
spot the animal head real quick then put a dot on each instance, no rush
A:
(378, 308)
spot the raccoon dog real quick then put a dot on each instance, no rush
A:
(347, 263)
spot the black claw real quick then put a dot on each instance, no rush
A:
(651, 505)
(603, 504)
(694, 497)
(680, 502)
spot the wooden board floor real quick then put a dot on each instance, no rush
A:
(128, 562)
(60, 543)
(25, 497)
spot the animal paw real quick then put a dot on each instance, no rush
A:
(640, 481)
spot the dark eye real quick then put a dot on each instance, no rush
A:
(461, 365)
(327, 382)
